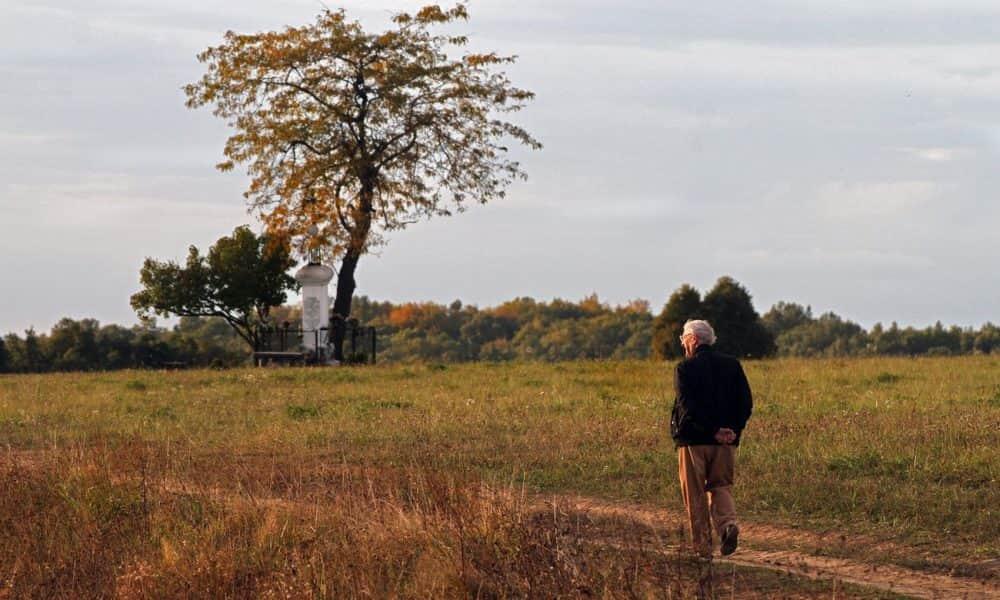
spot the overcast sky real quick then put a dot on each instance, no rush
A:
(830, 153)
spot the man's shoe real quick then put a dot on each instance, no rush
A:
(730, 537)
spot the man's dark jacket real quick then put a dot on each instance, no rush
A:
(711, 393)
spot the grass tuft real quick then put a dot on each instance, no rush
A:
(300, 412)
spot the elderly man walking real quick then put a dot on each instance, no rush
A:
(711, 407)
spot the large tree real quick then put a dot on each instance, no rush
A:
(729, 308)
(240, 279)
(683, 304)
(361, 133)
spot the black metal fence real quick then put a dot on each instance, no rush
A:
(316, 345)
(360, 343)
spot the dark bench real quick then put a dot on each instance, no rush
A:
(265, 359)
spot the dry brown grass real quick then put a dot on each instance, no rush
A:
(124, 518)
(118, 519)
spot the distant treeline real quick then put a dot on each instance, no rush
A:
(525, 329)
(521, 329)
(798, 333)
(86, 345)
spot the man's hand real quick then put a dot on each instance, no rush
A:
(725, 436)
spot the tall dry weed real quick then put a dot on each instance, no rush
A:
(117, 518)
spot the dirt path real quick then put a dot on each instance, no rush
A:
(754, 536)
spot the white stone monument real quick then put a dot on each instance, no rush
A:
(315, 281)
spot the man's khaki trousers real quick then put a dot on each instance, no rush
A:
(706, 474)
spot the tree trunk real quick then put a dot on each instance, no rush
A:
(345, 279)
(342, 302)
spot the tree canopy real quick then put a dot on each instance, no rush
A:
(240, 279)
(728, 306)
(360, 133)
(684, 304)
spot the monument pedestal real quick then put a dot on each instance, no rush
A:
(315, 281)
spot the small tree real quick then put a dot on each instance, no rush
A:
(785, 316)
(683, 304)
(4, 357)
(483, 328)
(362, 133)
(240, 279)
(987, 339)
(115, 345)
(72, 345)
(26, 355)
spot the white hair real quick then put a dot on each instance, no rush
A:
(701, 330)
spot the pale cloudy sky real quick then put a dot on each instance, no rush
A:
(839, 154)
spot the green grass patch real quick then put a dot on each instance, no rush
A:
(887, 378)
(136, 386)
(300, 412)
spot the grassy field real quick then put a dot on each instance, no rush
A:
(419, 480)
